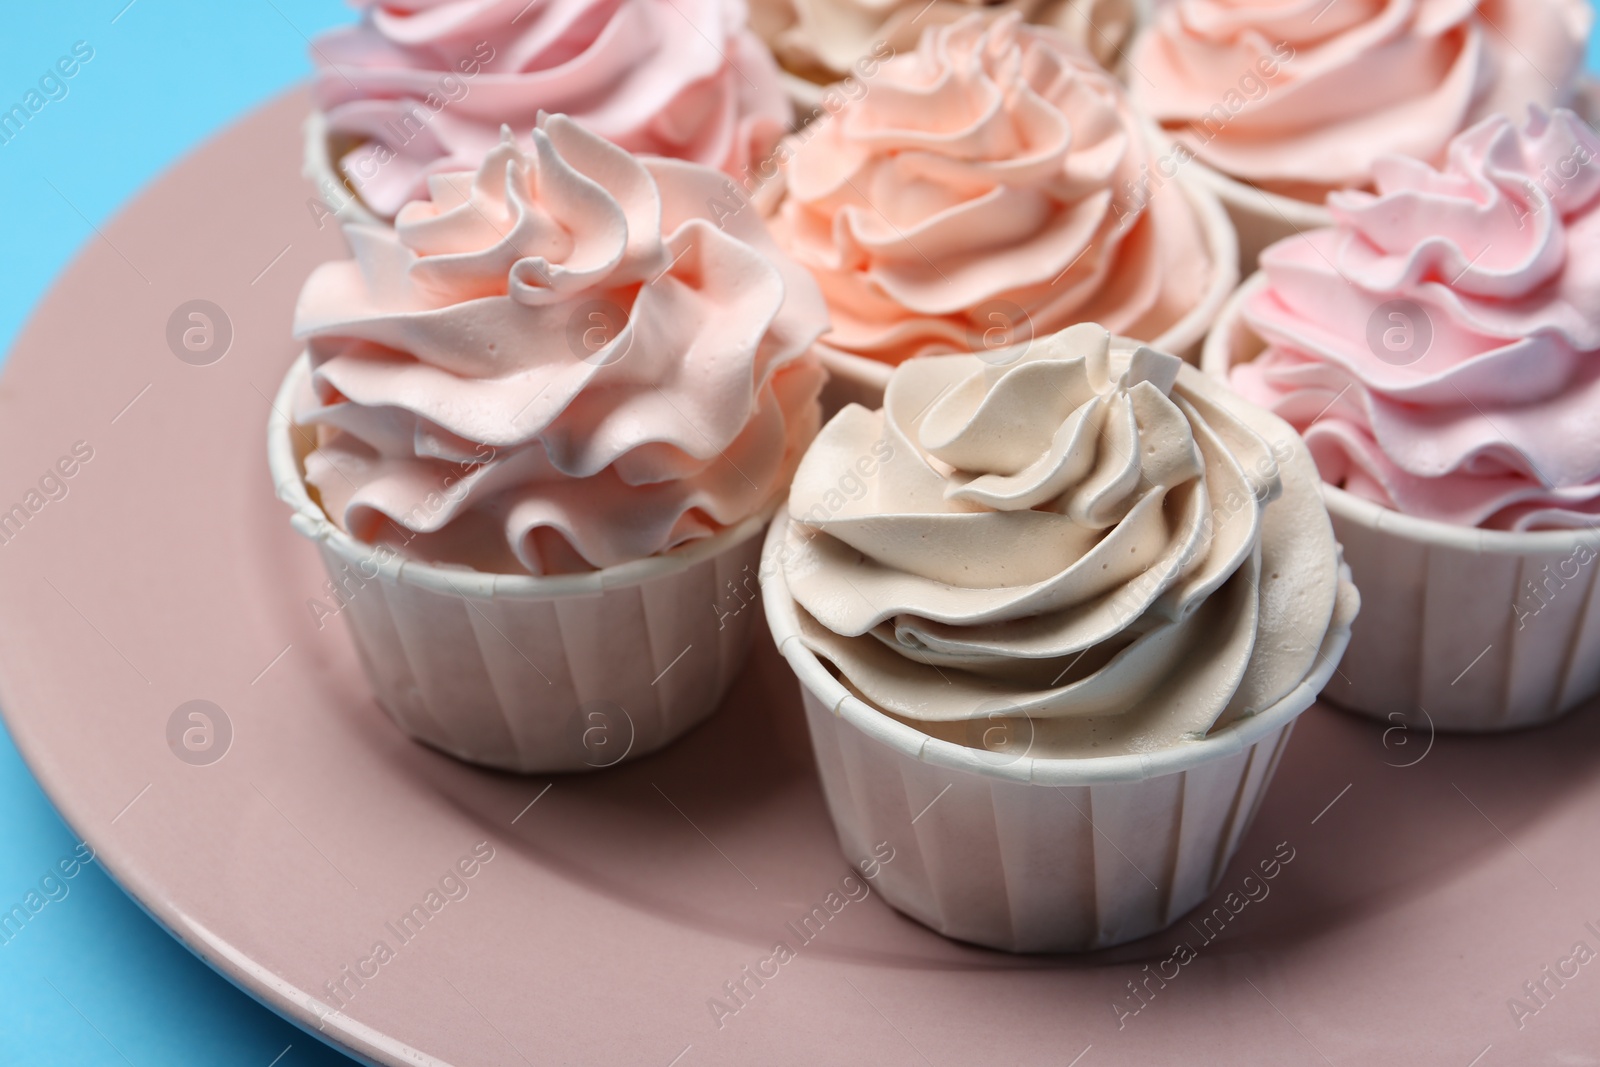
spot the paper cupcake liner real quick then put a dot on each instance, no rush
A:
(565, 673)
(1025, 854)
(1461, 628)
(1260, 218)
(318, 169)
(854, 379)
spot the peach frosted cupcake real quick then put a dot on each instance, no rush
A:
(1072, 574)
(1439, 348)
(539, 425)
(421, 87)
(1283, 101)
(989, 188)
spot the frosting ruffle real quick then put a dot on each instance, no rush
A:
(558, 363)
(1439, 347)
(1090, 545)
(823, 40)
(421, 87)
(987, 185)
(1303, 96)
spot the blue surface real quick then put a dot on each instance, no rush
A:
(90, 979)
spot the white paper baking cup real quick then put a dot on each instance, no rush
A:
(1033, 855)
(1440, 638)
(318, 169)
(1259, 218)
(854, 379)
(565, 673)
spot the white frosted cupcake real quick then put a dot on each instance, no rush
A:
(1275, 103)
(1077, 574)
(1439, 348)
(986, 190)
(819, 42)
(544, 419)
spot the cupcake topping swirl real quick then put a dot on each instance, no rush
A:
(983, 175)
(1090, 541)
(558, 362)
(1304, 96)
(421, 87)
(823, 40)
(1440, 345)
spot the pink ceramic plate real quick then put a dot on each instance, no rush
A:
(618, 907)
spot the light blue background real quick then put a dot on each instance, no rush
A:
(91, 980)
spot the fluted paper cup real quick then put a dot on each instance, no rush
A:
(563, 673)
(854, 379)
(1259, 218)
(1025, 854)
(319, 169)
(1464, 628)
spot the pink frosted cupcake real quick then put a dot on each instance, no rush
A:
(1283, 101)
(818, 42)
(537, 430)
(422, 87)
(987, 189)
(1439, 348)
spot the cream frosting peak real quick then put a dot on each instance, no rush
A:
(422, 86)
(558, 362)
(1303, 96)
(1088, 536)
(979, 179)
(1484, 409)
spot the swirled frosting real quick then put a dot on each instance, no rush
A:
(982, 182)
(420, 87)
(558, 363)
(1303, 96)
(824, 40)
(1439, 347)
(1091, 544)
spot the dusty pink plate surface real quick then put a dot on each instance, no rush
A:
(616, 906)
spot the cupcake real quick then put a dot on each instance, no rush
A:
(1076, 574)
(989, 188)
(422, 87)
(818, 42)
(1439, 349)
(1280, 102)
(537, 430)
